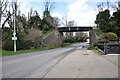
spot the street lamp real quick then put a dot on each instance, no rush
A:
(14, 38)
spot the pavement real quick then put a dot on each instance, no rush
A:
(84, 63)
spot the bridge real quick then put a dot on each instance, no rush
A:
(92, 35)
(74, 29)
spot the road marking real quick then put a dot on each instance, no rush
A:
(114, 54)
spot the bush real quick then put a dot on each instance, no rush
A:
(8, 43)
(66, 44)
(69, 39)
(37, 41)
(111, 36)
(28, 44)
(21, 42)
(91, 47)
(33, 38)
(102, 41)
(50, 46)
(24, 41)
(81, 37)
(96, 49)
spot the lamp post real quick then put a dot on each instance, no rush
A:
(14, 38)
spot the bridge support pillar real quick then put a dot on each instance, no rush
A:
(61, 33)
(93, 38)
(90, 37)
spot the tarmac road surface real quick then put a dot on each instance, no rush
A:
(32, 65)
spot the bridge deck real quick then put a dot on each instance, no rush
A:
(74, 29)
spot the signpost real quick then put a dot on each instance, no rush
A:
(14, 38)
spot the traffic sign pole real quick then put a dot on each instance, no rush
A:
(14, 32)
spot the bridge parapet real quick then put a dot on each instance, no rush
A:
(74, 29)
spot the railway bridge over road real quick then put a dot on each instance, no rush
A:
(92, 35)
(75, 29)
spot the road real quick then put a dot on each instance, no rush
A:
(32, 65)
(39, 64)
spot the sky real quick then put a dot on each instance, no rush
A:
(83, 12)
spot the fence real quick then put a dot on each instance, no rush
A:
(112, 48)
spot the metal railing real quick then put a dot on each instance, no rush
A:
(112, 48)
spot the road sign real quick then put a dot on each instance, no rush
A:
(14, 38)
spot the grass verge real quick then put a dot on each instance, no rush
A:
(66, 44)
(0, 52)
(95, 49)
(10, 53)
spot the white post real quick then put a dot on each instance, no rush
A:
(14, 28)
(14, 45)
(14, 38)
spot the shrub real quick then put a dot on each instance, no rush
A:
(8, 43)
(37, 41)
(96, 49)
(91, 47)
(111, 36)
(102, 41)
(28, 44)
(69, 39)
(24, 41)
(33, 38)
(21, 42)
(49, 46)
(81, 37)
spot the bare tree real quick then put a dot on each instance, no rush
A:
(100, 7)
(65, 21)
(7, 13)
(71, 23)
(108, 4)
(3, 6)
(56, 21)
(48, 7)
(118, 4)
